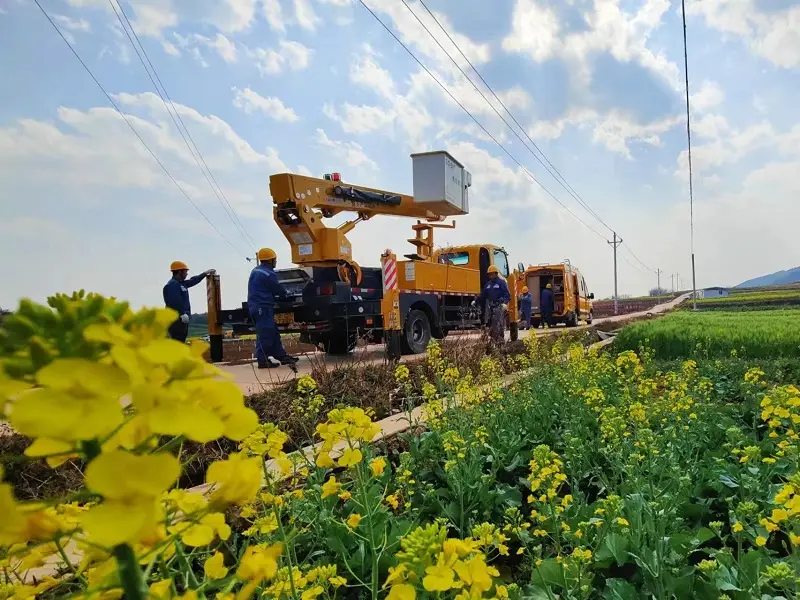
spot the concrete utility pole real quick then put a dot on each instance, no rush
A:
(617, 241)
(672, 279)
(658, 286)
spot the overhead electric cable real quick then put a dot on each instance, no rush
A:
(479, 124)
(179, 124)
(637, 258)
(557, 175)
(132, 128)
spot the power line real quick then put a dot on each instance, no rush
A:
(132, 128)
(628, 248)
(560, 178)
(226, 205)
(479, 124)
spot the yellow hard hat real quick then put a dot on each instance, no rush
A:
(549, 285)
(492, 269)
(266, 254)
(178, 265)
(524, 289)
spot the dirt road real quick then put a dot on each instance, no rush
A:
(253, 380)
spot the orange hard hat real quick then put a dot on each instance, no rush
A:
(524, 289)
(492, 269)
(178, 265)
(266, 254)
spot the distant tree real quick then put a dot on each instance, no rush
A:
(625, 296)
(657, 291)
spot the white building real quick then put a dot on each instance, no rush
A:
(713, 292)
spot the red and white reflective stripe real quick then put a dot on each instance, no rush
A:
(389, 274)
(363, 290)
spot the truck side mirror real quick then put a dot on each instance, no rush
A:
(520, 267)
(591, 296)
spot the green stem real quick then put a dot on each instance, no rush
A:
(362, 491)
(130, 575)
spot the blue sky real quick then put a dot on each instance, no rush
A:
(313, 86)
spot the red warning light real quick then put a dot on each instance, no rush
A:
(336, 177)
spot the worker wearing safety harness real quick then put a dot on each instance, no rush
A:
(176, 297)
(263, 289)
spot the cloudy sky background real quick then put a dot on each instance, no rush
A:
(314, 86)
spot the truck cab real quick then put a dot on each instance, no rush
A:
(572, 299)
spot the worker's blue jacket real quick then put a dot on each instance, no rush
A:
(176, 294)
(495, 290)
(525, 303)
(263, 289)
(547, 300)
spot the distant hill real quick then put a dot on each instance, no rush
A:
(777, 278)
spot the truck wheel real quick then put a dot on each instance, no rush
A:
(571, 320)
(535, 323)
(416, 333)
(513, 329)
(341, 343)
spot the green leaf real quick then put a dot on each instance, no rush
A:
(549, 573)
(614, 546)
(704, 534)
(728, 481)
(619, 589)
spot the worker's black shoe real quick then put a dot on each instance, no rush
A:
(289, 360)
(269, 365)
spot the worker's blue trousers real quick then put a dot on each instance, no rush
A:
(268, 338)
(526, 318)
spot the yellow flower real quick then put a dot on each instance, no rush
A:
(312, 593)
(324, 460)
(439, 577)
(779, 515)
(350, 457)
(737, 527)
(331, 487)
(402, 591)
(501, 591)
(761, 541)
(345, 496)
(130, 486)
(235, 480)
(204, 532)
(57, 452)
(476, 573)
(377, 465)
(623, 522)
(353, 520)
(393, 501)
(259, 563)
(77, 399)
(214, 566)
(162, 590)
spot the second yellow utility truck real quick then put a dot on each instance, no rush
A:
(572, 299)
(401, 302)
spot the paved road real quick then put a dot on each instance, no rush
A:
(253, 380)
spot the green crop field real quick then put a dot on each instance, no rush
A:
(754, 297)
(774, 333)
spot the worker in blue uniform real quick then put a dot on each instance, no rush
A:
(176, 297)
(547, 305)
(494, 301)
(525, 307)
(263, 290)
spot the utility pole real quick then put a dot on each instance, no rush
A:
(617, 241)
(658, 286)
(672, 280)
(689, 143)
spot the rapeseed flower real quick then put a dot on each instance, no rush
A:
(214, 566)
(377, 465)
(235, 480)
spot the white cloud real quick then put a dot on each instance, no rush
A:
(537, 33)
(710, 95)
(250, 101)
(72, 24)
(289, 55)
(220, 44)
(305, 15)
(274, 15)
(360, 118)
(772, 34)
(351, 153)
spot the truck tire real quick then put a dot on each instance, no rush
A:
(513, 331)
(571, 320)
(535, 323)
(416, 332)
(340, 343)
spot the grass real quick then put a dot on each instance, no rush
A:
(760, 334)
